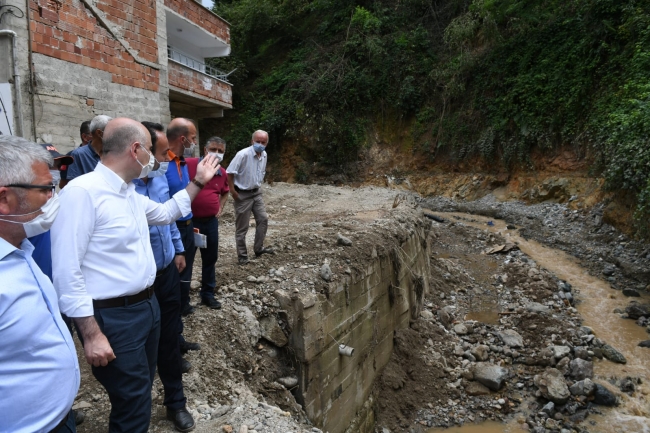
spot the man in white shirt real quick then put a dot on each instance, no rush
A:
(104, 268)
(245, 176)
(39, 373)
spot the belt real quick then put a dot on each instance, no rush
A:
(163, 270)
(204, 219)
(124, 301)
(61, 423)
(238, 189)
(184, 223)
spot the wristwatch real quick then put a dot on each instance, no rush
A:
(197, 183)
(182, 253)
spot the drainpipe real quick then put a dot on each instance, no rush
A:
(19, 103)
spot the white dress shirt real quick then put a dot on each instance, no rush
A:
(39, 373)
(248, 168)
(100, 239)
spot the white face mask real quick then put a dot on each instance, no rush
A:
(161, 170)
(188, 152)
(56, 176)
(219, 156)
(42, 222)
(146, 169)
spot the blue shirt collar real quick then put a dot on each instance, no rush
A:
(6, 248)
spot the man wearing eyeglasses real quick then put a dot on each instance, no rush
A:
(104, 269)
(39, 373)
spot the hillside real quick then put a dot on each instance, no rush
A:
(444, 85)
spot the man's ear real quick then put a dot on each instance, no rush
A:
(4, 201)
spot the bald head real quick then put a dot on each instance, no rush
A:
(121, 133)
(181, 134)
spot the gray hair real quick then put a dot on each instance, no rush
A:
(217, 140)
(260, 131)
(118, 139)
(99, 122)
(17, 156)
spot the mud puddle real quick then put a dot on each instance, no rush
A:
(597, 303)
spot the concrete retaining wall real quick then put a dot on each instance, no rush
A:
(361, 311)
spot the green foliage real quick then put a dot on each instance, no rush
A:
(490, 78)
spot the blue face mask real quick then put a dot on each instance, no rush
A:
(259, 148)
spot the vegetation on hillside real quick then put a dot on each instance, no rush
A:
(494, 78)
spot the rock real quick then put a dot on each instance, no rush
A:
(609, 270)
(243, 429)
(536, 307)
(82, 405)
(444, 318)
(563, 365)
(490, 375)
(251, 324)
(580, 369)
(583, 387)
(461, 329)
(511, 338)
(645, 343)
(288, 382)
(426, 314)
(475, 388)
(227, 429)
(326, 272)
(631, 293)
(251, 279)
(581, 352)
(604, 397)
(560, 351)
(634, 310)
(271, 331)
(613, 355)
(221, 411)
(342, 240)
(481, 352)
(552, 386)
(549, 408)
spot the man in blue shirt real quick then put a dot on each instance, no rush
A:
(39, 372)
(169, 254)
(87, 157)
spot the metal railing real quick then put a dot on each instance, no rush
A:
(197, 65)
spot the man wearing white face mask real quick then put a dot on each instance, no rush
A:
(39, 373)
(104, 269)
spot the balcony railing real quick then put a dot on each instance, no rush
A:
(197, 65)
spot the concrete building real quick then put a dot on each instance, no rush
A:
(65, 61)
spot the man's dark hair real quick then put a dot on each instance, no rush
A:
(177, 131)
(152, 127)
(85, 128)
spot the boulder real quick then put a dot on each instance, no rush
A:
(490, 375)
(580, 369)
(583, 387)
(645, 343)
(481, 352)
(251, 324)
(631, 293)
(511, 338)
(604, 397)
(326, 272)
(475, 388)
(463, 329)
(634, 310)
(581, 352)
(536, 307)
(613, 355)
(552, 386)
(271, 331)
(560, 352)
(342, 240)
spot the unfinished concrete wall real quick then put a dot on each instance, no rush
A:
(362, 310)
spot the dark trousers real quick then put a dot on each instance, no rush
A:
(167, 289)
(70, 426)
(133, 333)
(209, 255)
(187, 237)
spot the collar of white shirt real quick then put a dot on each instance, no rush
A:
(116, 183)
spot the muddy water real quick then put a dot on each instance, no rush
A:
(598, 300)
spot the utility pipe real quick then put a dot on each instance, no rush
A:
(19, 99)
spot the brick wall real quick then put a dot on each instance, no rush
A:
(68, 31)
(202, 17)
(190, 80)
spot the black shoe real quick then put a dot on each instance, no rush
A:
(187, 346)
(187, 310)
(266, 250)
(182, 419)
(79, 416)
(212, 303)
(185, 365)
(242, 260)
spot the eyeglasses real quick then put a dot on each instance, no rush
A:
(51, 187)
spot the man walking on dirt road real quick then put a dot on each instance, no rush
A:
(245, 175)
